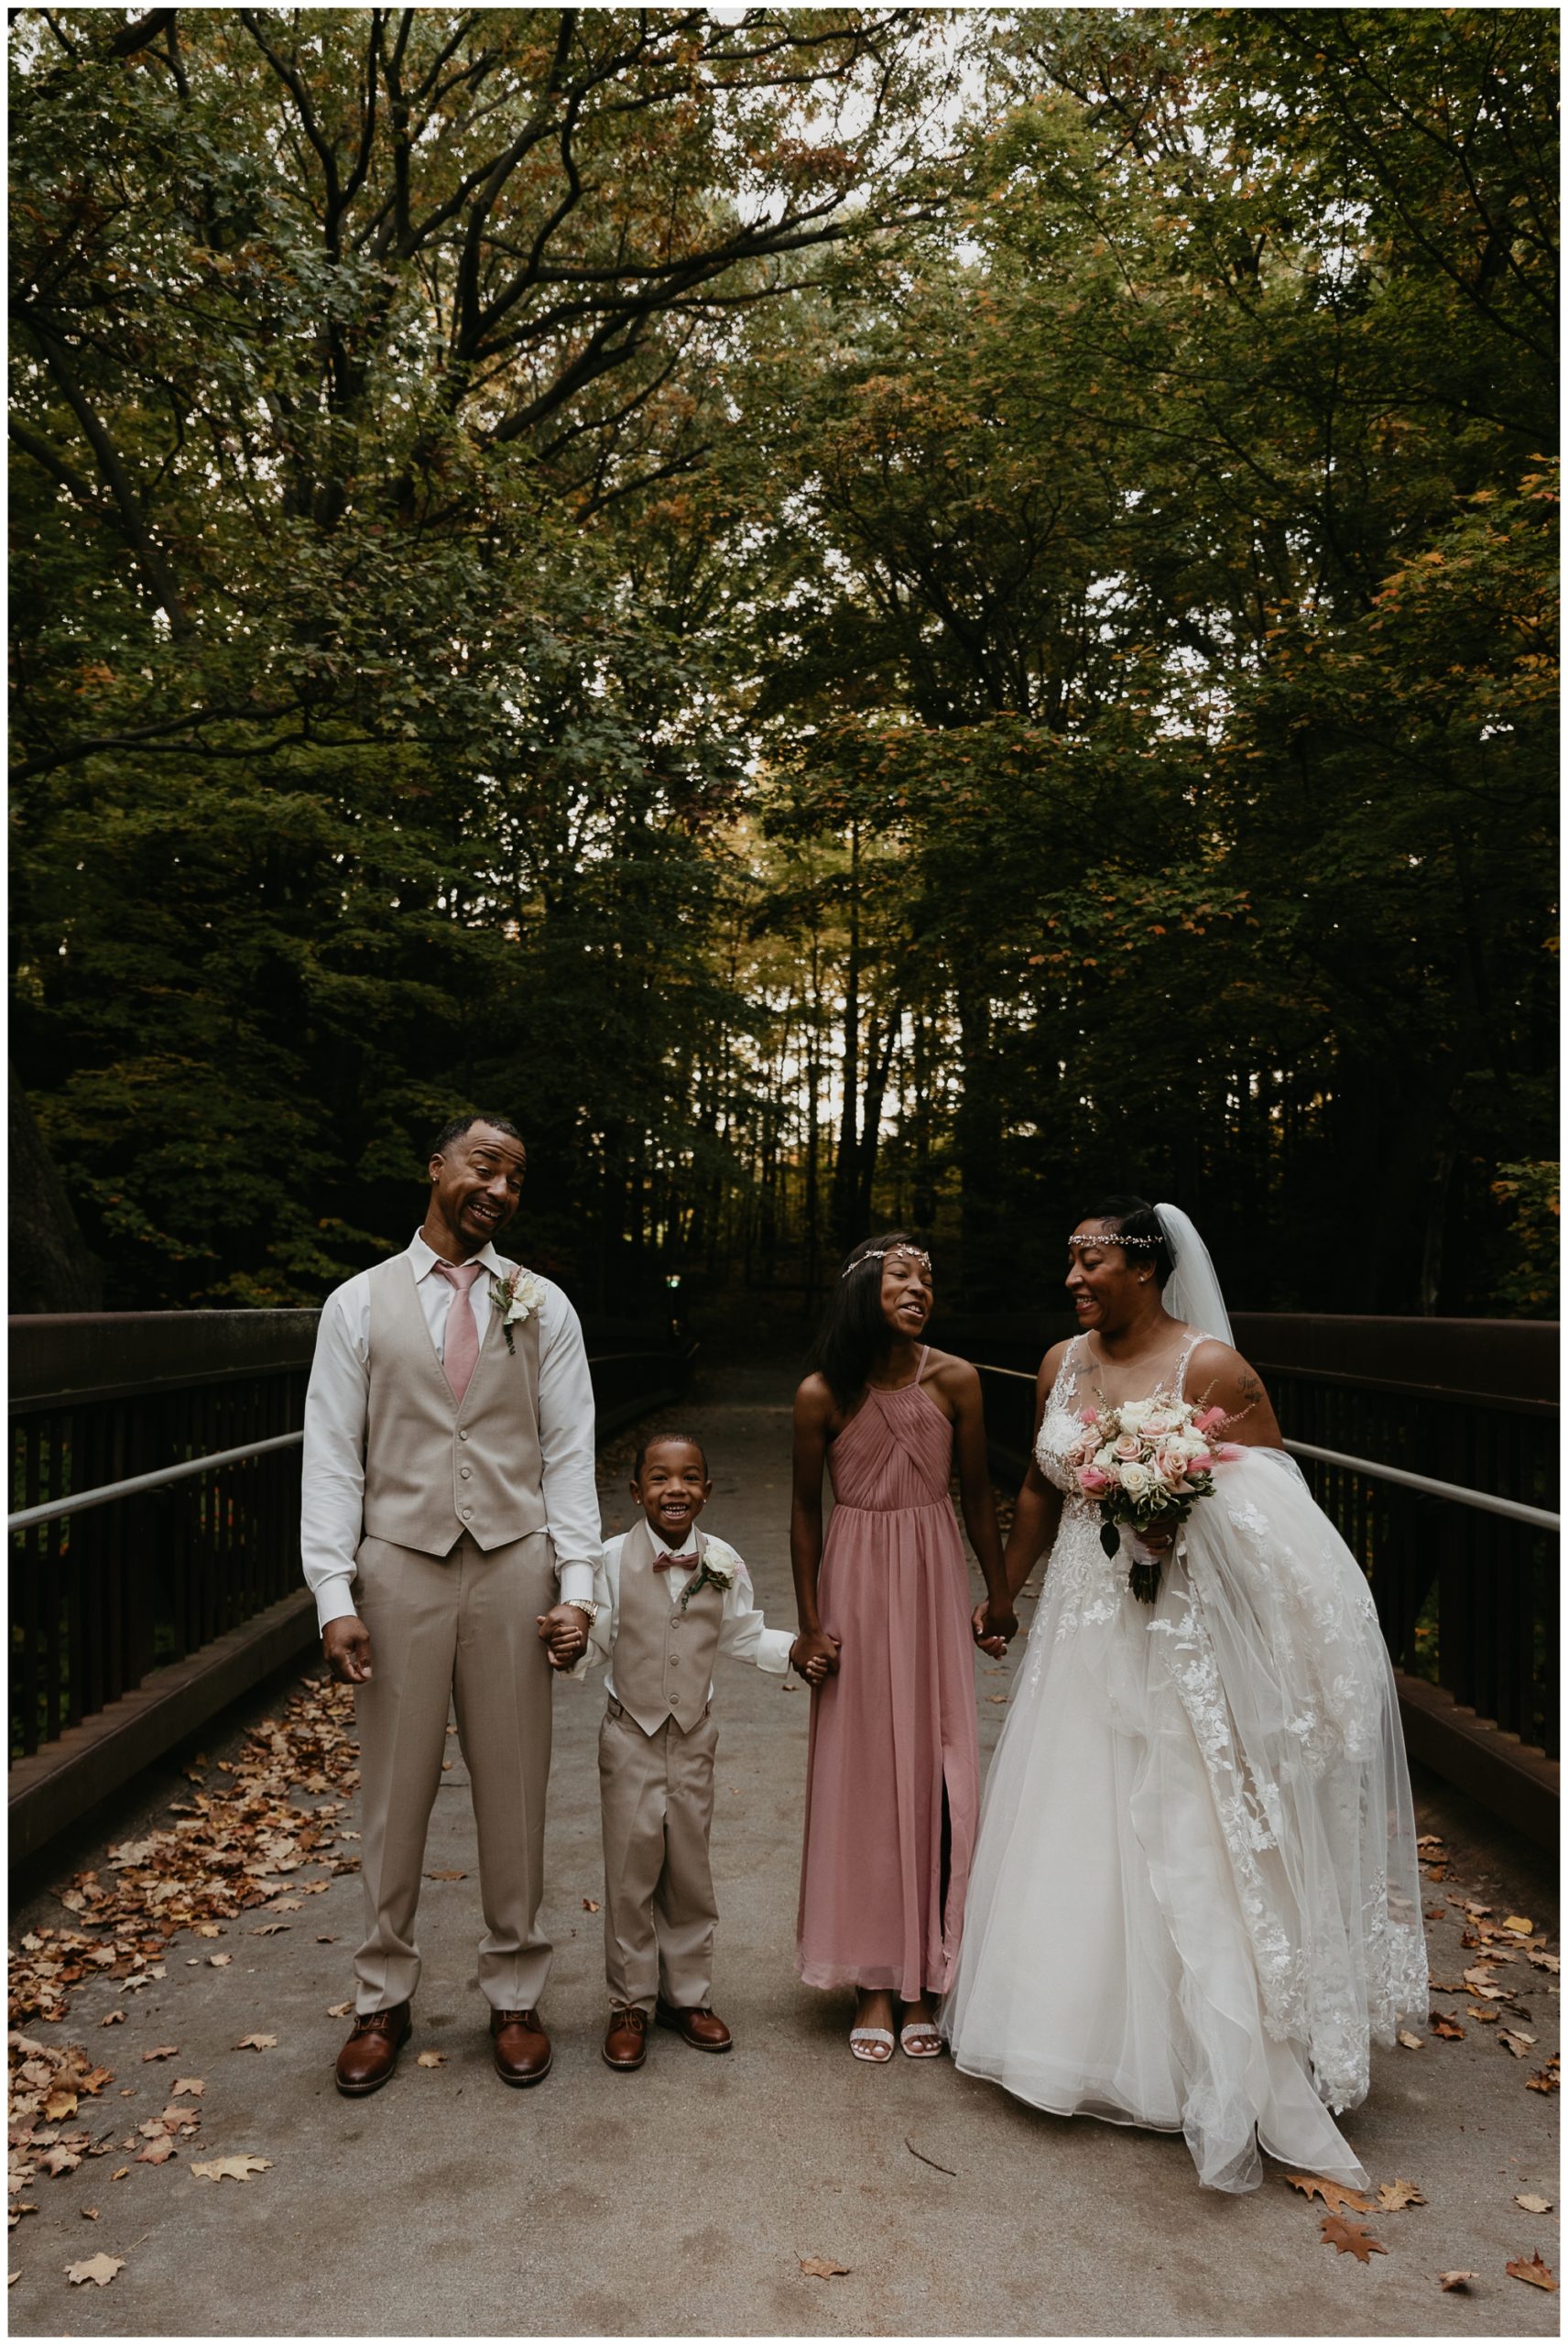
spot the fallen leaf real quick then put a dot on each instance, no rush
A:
(208, 1930)
(1542, 2081)
(1538, 2274)
(1411, 2043)
(1531, 2204)
(1449, 2029)
(1457, 2280)
(157, 2152)
(100, 2269)
(1515, 2040)
(187, 2084)
(1520, 1925)
(220, 1961)
(1333, 2196)
(1547, 1961)
(110, 2019)
(88, 2214)
(1482, 2018)
(822, 2267)
(590, 1904)
(60, 2104)
(236, 2169)
(60, 2161)
(430, 2060)
(1394, 2197)
(269, 1929)
(160, 2051)
(446, 1876)
(339, 2010)
(326, 1941)
(119, 2174)
(256, 2044)
(1350, 2239)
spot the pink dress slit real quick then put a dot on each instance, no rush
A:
(893, 1767)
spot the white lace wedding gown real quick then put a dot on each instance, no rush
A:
(1194, 1901)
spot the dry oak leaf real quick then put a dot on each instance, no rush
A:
(160, 2051)
(1520, 1924)
(1333, 2195)
(822, 2267)
(256, 2044)
(269, 1929)
(60, 2161)
(430, 2060)
(119, 2174)
(1449, 2029)
(339, 2010)
(1394, 2197)
(100, 2269)
(236, 2169)
(1411, 2043)
(1535, 2271)
(1517, 2041)
(1532, 2203)
(88, 2214)
(220, 1961)
(187, 2085)
(157, 2152)
(1457, 2280)
(1350, 2239)
(590, 1904)
(110, 2019)
(60, 2103)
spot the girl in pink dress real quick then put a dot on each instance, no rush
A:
(893, 1774)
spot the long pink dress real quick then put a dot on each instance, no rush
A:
(893, 1740)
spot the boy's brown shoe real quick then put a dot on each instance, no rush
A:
(700, 2027)
(625, 2039)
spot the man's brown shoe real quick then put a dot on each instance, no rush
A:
(369, 2057)
(625, 2039)
(700, 2027)
(520, 2047)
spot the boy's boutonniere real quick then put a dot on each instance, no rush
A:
(514, 1297)
(706, 1575)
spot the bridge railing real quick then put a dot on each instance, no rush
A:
(171, 1599)
(1467, 1596)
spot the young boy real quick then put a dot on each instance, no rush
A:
(671, 1600)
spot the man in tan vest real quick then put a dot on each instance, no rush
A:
(670, 1601)
(451, 1532)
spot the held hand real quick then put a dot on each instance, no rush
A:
(991, 1630)
(345, 1648)
(1158, 1543)
(815, 1654)
(563, 1631)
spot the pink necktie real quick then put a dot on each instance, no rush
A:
(460, 1352)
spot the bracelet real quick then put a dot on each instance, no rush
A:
(582, 1604)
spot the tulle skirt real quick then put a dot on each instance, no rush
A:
(1193, 1903)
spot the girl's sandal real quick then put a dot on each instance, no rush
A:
(919, 2040)
(871, 2043)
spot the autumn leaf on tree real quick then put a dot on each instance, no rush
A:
(1350, 2239)
(1333, 2194)
(822, 2267)
(1393, 2197)
(100, 2269)
(238, 2169)
(1537, 2273)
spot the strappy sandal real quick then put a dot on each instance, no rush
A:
(919, 2040)
(873, 2044)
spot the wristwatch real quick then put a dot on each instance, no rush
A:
(582, 1604)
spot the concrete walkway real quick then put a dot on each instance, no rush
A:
(682, 2201)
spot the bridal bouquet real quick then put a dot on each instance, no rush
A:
(1146, 1464)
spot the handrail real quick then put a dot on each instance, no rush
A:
(106, 1492)
(1483, 1501)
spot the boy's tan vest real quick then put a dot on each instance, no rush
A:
(433, 1470)
(663, 1659)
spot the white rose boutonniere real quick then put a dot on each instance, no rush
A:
(706, 1575)
(514, 1297)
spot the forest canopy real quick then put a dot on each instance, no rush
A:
(849, 614)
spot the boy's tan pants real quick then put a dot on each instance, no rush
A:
(655, 1793)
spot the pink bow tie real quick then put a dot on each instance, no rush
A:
(668, 1563)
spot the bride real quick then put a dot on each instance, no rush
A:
(1195, 1901)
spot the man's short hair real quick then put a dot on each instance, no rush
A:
(652, 1442)
(463, 1124)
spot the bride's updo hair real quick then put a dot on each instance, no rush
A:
(1136, 1218)
(852, 1335)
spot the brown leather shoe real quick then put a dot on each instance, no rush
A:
(369, 2057)
(520, 2047)
(626, 2038)
(700, 2027)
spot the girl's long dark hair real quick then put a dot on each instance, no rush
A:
(852, 1335)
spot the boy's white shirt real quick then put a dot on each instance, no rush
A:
(744, 1634)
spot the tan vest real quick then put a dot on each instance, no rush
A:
(433, 1470)
(663, 1660)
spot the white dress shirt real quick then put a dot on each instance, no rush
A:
(744, 1634)
(337, 1408)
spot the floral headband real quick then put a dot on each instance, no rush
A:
(1077, 1240)
(878, 1253)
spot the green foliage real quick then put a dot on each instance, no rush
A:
(1531, 1195)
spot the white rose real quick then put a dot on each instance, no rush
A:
(1133, 1414)
(1106, 1459)
(1136, 1481)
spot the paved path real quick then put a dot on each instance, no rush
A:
(679, 2201)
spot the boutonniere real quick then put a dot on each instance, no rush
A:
(706, 1575)
(514, 1297)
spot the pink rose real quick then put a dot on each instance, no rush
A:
(1091, 1481)
(1171, 1469)
(1211, 1420)
(1127, 1446)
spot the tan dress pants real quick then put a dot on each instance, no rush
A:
(459, 1627)
(656, 1797)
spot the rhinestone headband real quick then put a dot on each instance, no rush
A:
(1115, 1241)
(878, 1253)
